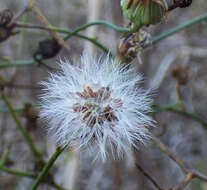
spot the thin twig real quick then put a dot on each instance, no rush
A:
(179, 28)
(47, 167)
(148, 177)
(29, 175)
(188, 178)
(189, 173)
(4, 159)
(173, 107)
(69, 32)
(165, 150)
(43, 20)
(25, 63)
(26, 135)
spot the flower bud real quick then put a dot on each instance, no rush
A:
(47, 48)
(132, 44)
(180, 74)
(143, 12)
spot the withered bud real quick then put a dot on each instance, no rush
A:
(5, 17)
(6, 27)
(143, 12)
(180, 74)
(6, 32)
(133, 43)
(47, 48)
(182, 3)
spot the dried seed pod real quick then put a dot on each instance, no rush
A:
(6, 32)
(143, 12)
(180, 74)
(5, 17)
(47, 48)
(133, 43)
(6, 27)
(182, 3)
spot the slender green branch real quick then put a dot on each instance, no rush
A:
(69, 34)
(27, 137)
(18, 64)
(24, 63)
(179, 28)
(17, 173)
(92, 40)
(47, 167)
(4, 158)
(174, 108)
(28, 175)
(99, 22)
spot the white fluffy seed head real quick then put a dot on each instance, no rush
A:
(97, 105)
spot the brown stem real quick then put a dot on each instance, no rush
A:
(166, 151)
(148, 177)
(43, 20)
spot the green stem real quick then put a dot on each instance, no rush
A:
(26, 135)
(174, 108)
(179, 28)
(98, 22)
(24, 63)
(28, 175)
(69, 32)
(92, 40)
(4, 158)
(47, 167)
(18, 173)
(18, 64)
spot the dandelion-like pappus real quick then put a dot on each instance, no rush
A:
(97, 105)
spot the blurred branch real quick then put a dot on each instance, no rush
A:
(43, 20)
(174, 107)
(46, 168)
(148, 177)
(188, 178)
(4, 159)
(70, 34)
(102, 22)
(26, 135)
(179, 28)
(190, 174)
(17, 173)
(18, 64)
(24, 63)
(28, 175)
(166, 151)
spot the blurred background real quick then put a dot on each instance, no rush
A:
(185, 137)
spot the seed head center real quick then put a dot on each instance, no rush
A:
(97, 108)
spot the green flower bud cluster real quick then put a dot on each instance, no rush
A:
(143, 12)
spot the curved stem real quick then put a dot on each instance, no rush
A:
(47, 167)
(17, 173)
(102, 22)
(28, 175)
(70, 34)
(26, 135)
(174, 108)
(179, 28)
